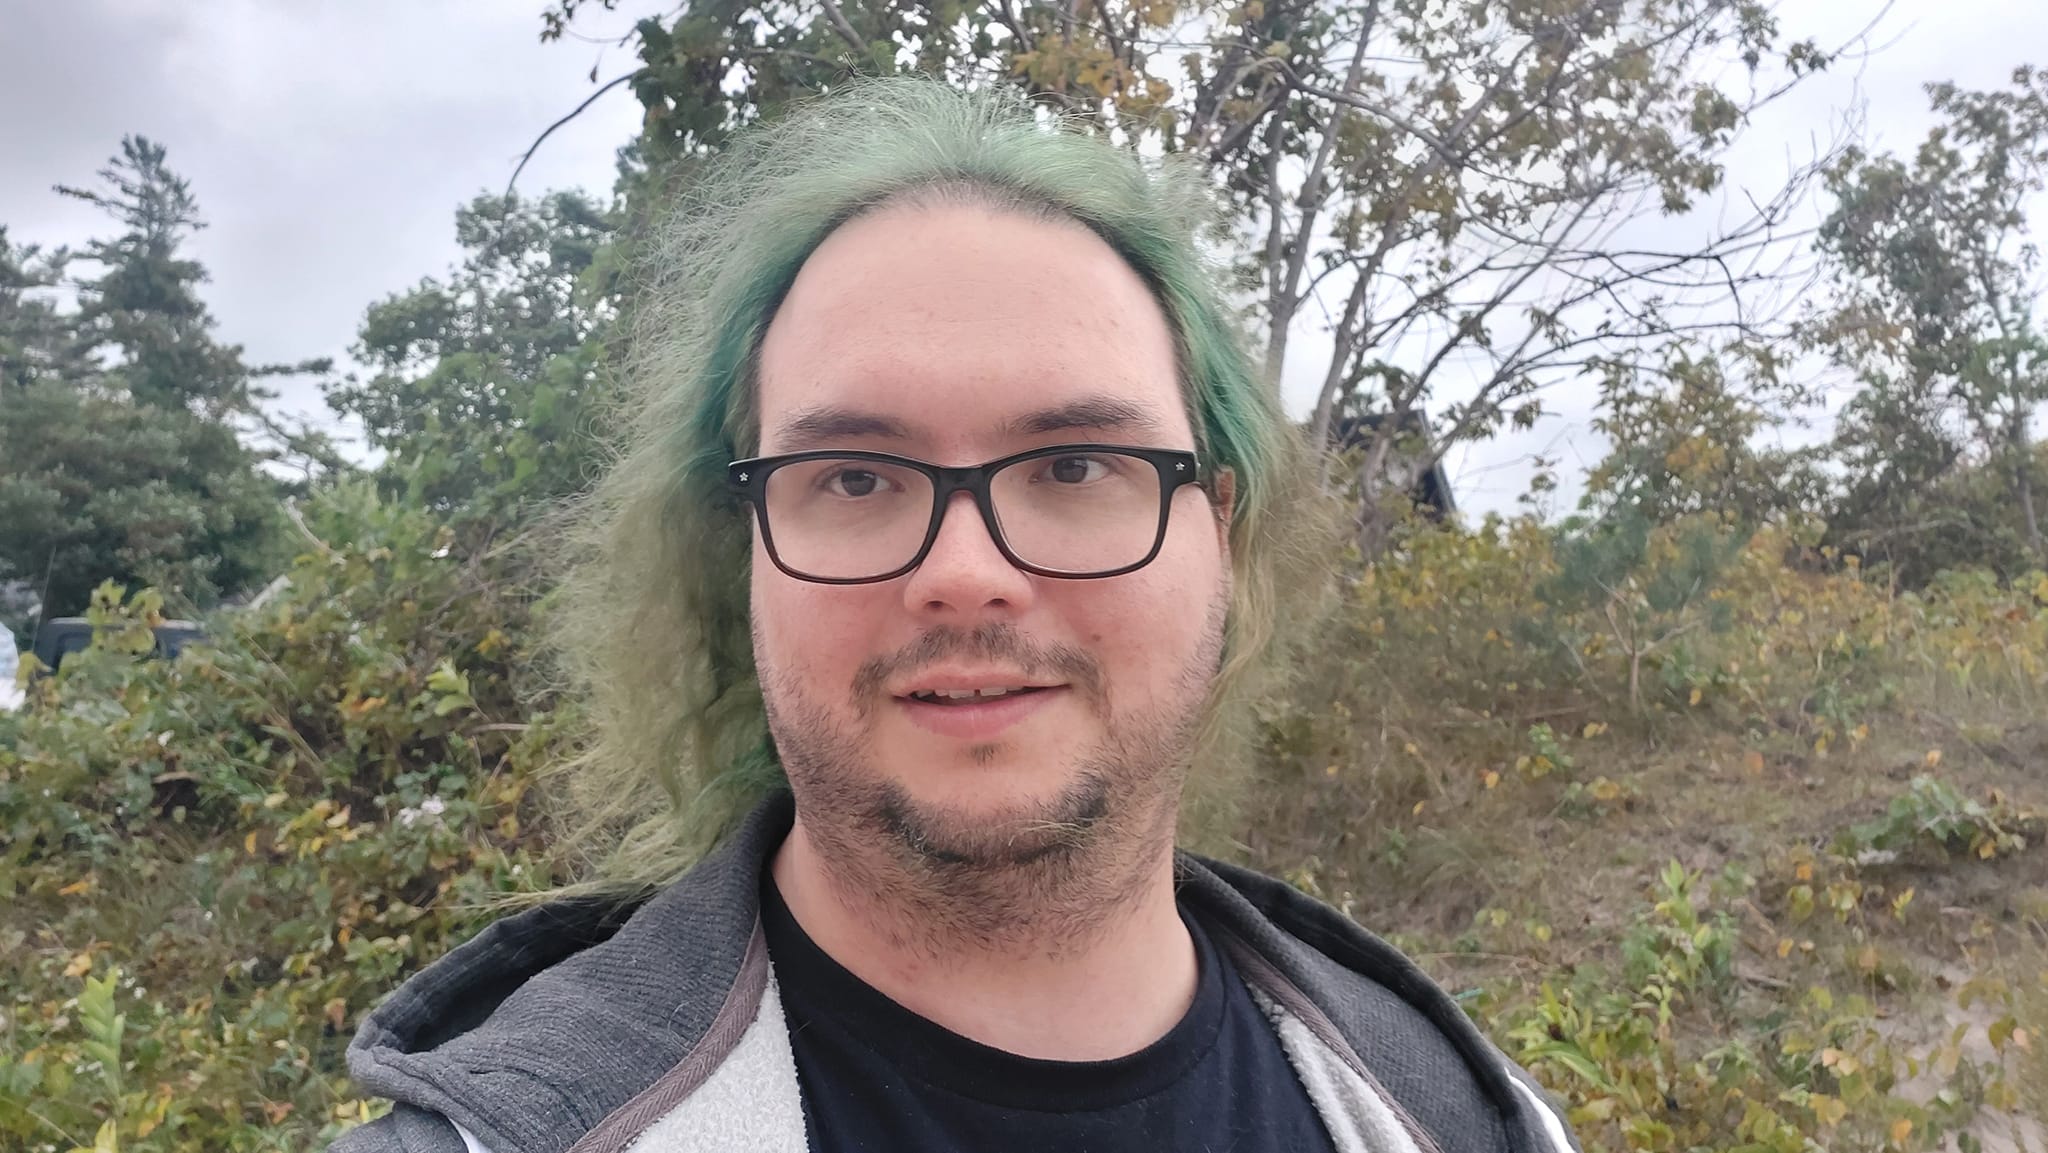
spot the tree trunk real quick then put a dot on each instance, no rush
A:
(2023, 479)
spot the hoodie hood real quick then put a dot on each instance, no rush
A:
(536, 1031)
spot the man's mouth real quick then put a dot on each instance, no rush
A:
(963, 696)
(976, 715)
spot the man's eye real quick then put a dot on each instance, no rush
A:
(852, 482)
(1074, 469)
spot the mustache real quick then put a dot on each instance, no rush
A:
(995, 641)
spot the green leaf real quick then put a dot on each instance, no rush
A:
(1571, 1057)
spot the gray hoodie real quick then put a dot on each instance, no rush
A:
(582, 1027)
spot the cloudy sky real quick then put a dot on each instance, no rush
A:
(329, 141)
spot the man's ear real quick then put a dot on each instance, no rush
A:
(1223, 492)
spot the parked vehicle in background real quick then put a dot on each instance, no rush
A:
(62, 636)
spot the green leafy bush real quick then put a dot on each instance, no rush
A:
(210, 868)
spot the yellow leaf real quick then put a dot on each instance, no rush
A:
(1330, 771)
(1491, 778)
(1417, 811)
(1785, 947)
(1901, 1130)
(1827, 1110)
(1696, 696)
(79, 966)
(1933, 758)
(82, 885)
(1803, 871)
(249, 842)
(2001, 1032)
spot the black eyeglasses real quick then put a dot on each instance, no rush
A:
(1077, 511)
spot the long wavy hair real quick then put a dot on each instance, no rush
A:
(651, 622)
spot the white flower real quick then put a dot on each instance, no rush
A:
(433, 807)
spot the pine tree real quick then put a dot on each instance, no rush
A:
(484, 381)
(121, 447)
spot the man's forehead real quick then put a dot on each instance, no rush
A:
(828, 424)
(964, 331)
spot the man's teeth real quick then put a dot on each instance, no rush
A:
(965, 694)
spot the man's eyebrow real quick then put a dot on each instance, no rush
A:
(1106, 412)
(821, 426)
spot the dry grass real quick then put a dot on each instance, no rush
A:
(1419, 799)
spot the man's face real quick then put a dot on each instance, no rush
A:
(957, 335)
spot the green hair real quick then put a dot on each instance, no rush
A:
(653, 618)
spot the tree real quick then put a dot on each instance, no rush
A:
(1934, 308)
(1684, 440)
(94, 487)
(121, 453)
(35, 336)
(483, 382)
(1641, 588)
(1449, 186)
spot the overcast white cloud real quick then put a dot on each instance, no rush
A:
(329, 141)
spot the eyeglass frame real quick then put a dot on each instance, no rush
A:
(748, 480)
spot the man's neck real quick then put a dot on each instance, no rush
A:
(1105, 994)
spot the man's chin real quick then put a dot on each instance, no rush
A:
(992, 831)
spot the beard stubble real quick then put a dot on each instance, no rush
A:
(1043, 876)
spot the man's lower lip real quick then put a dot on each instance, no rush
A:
(977, 720)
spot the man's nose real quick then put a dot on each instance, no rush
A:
(965, 573)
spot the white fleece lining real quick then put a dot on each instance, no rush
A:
(750, 1102)
(1358, 1119)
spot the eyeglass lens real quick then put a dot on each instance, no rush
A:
(1078, 513)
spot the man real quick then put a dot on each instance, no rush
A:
(955, 500)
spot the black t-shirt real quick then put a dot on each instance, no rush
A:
(876, 1076)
